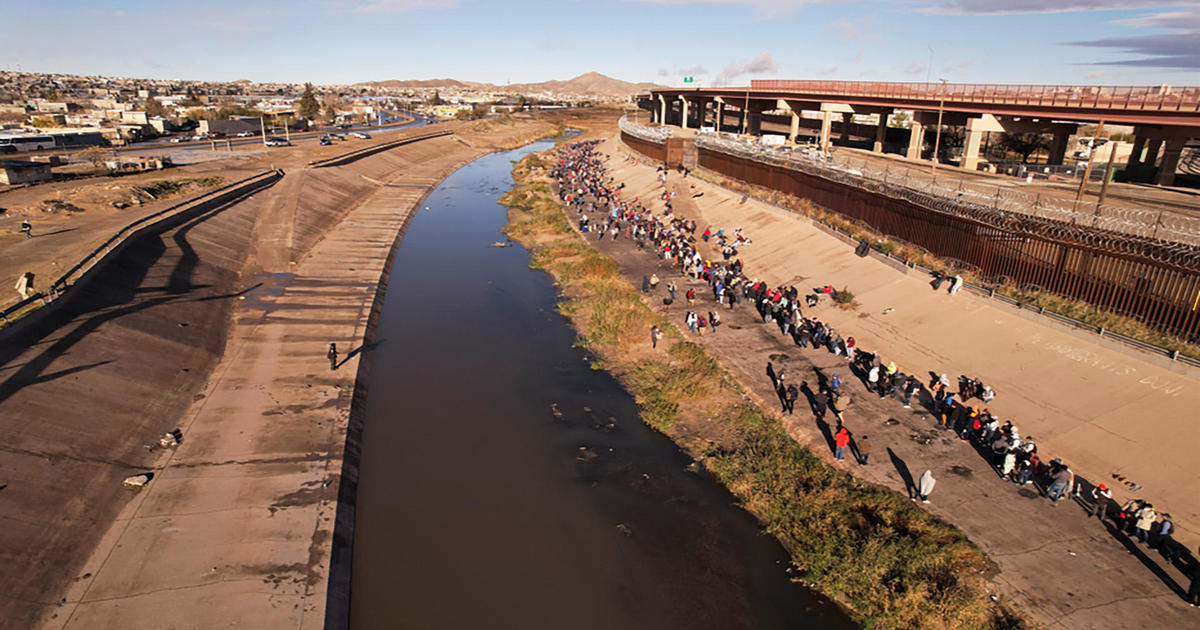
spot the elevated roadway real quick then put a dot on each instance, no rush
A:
(1164, 118)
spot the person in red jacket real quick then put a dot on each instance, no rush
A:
(841, 440)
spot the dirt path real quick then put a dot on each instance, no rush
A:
(1058, 567)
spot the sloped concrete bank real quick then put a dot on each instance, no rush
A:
(216, 326)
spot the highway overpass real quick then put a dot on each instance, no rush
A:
(1164, 117)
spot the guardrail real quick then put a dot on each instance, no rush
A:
(17, 309)
(346, 158)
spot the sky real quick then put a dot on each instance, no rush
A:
(719, 42)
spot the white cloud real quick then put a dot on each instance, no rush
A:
(389, 6)
(1007, 7)
(860, 29)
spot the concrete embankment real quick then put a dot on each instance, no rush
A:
(1077, 399)
(216, 326)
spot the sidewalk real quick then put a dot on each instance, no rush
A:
(1056, 566)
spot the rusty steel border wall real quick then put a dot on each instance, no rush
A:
(1136, 277)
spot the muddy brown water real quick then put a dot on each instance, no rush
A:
(504, 483)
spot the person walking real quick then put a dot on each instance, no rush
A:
(691, 296)
(925, 486)
(332, 355)
(671, 289)
(654, 282)
(715, 320)
(1101, 495)
(863, 445)
(655, 336)
(841, 440)
(792, 395)
(26, 228)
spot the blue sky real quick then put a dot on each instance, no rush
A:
(721, 42)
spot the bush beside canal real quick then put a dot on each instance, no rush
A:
(892, 564)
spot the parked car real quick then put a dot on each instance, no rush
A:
(277, 142)
(181, 139)
(247, 134)
(361, 136)
(326, 141)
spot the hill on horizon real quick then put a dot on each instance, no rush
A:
(587, 84)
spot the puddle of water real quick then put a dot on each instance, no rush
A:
(505, 484)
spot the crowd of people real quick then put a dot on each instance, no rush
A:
(960, 407)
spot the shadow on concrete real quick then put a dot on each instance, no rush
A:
(910, 487)
(114, 293)
(1136, 550)
(363, 349)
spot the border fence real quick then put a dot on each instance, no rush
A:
(1122, 265)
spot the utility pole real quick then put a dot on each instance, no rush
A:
(262, 125)
(1112, 155)
(1087, 172)
(937, 136)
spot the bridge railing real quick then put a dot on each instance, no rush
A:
(1133, 97)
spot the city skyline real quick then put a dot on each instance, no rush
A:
(719, 42)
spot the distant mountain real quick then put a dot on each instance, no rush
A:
(426, 83)
(588, 84)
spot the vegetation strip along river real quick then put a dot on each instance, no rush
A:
(893, 564)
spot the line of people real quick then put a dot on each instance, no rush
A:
(584, 186)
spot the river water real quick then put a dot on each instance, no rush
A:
(505, 484)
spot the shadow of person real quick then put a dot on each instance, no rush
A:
(814, 401)
(910, 487)
(362, 349)
(1136, 550)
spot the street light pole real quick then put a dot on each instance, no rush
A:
(937, 136)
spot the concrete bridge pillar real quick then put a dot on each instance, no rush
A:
(847, 118)
(683, 118)
(662, 110)
(1152, 152)
(916, 140)
(1135, 156)
(826, 126)
(794, 130)
(755, 122)
(975, 129)
(880, 132)
(720, 115)
(1058, 148)
(1166, 173)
